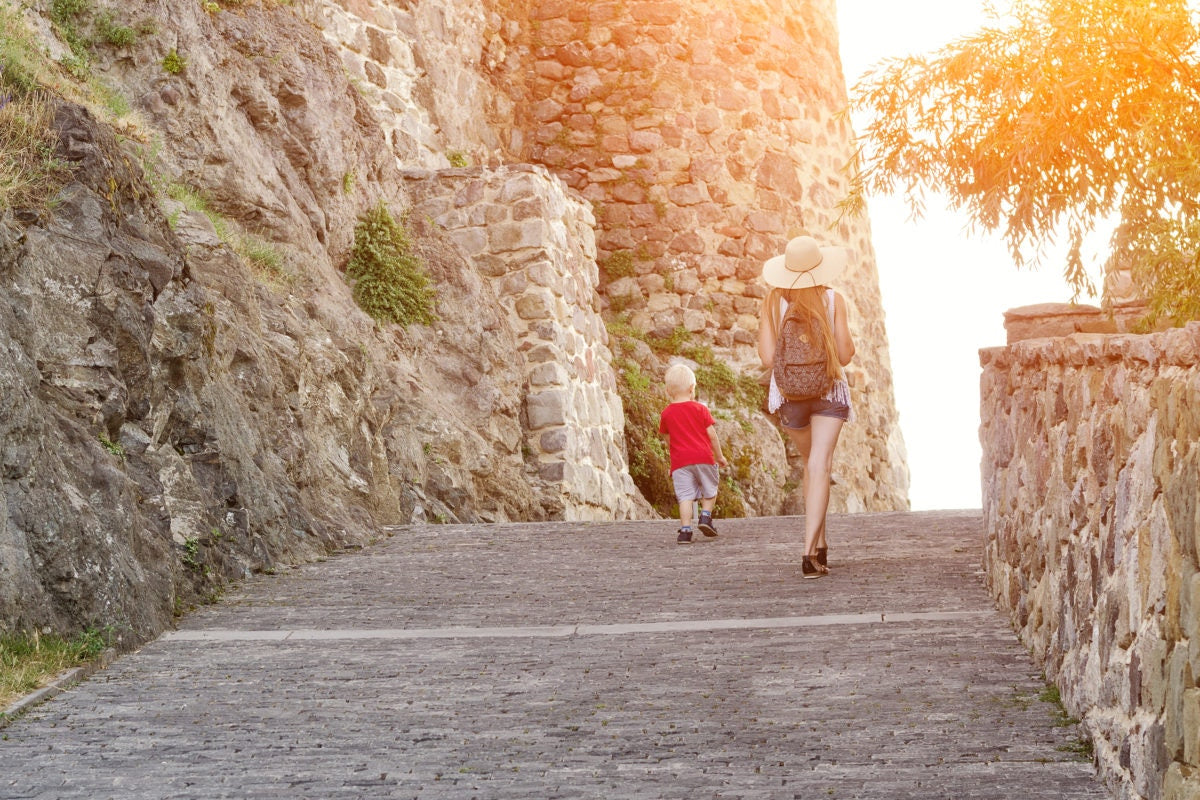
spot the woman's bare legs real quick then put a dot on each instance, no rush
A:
(816, 444)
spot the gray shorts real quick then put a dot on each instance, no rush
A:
(695, 482)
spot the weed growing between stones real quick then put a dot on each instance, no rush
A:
(389, 279)
(619, 265)
(173, 63)
(112, 447)
(1082, 746)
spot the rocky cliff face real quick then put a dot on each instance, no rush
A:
(183, 410)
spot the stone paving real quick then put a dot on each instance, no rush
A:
(578, 661)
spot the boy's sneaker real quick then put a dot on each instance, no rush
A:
(705, 524)
(685, 536)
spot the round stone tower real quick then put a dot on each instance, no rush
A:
(706, 134)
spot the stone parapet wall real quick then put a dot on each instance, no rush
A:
(1091, 463)
(521, 231)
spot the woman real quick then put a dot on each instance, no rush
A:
(800, 276)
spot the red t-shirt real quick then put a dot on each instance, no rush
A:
(687, 424)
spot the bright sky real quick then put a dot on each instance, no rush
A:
(944, 291)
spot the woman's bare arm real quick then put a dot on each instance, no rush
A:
(841, 331)
(766, 335)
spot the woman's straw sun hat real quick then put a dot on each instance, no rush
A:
(804, 263)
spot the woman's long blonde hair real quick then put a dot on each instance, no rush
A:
(812, 300)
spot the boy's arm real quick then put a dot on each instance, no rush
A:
(716, 446)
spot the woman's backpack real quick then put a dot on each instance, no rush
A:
(801, 364)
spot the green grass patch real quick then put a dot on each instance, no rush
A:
(1081, 747)
(30, 661)
(70, 18)
(261, 256)
(30, 173)
(23, 65)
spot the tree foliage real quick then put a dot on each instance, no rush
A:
(1054, 117)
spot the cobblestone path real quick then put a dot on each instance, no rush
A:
(578, 661)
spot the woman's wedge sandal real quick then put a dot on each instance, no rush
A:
(823, 558)
(809, 569)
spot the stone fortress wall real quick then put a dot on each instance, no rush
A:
(1091, 463)
(703, 134)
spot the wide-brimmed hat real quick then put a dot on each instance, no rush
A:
(805, 263)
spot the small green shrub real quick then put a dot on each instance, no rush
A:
(113, 32)
(191, 553)
(174, 63)
(619, 265)
(65, 15)
(458, 158)
(672, 344)
(390, 282)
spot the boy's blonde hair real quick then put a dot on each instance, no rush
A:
(679, 379)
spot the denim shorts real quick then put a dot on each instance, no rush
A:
(798, 414)
(695, 482)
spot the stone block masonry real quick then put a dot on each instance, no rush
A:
(700, 135)
(1091, 463)
(418, 64)
(520, 229)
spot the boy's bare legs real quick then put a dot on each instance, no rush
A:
(685, 513)
(708, 503)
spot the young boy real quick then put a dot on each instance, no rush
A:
(692, 441)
